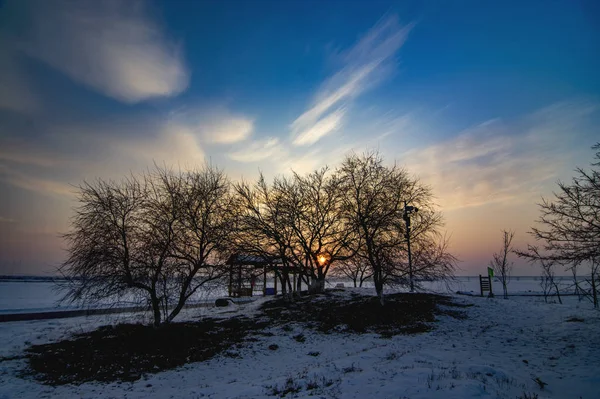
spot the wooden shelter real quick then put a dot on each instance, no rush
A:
(249, 273)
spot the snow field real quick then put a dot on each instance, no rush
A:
(497, 352)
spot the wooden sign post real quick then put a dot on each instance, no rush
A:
(485, 284)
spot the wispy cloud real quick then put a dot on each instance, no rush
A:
(363, 66)
(33, 183)
(22, 152)
(260, 150)
(132, 146)
(215, 125)
(111, 149)
(173, 145)
(321, 128)
(500, 161)
(16, 94)
(111, 46)
(6, 220)
(227, 131)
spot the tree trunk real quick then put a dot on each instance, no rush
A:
(290, 288)
(176, 310)
(321, 284)
(557, 293)
(594, 291)
(577, 290)
(379, 288)
(155, 309)
(318, 282)
(380, 295)
(299, 284)
(286, 285)
(283, 285)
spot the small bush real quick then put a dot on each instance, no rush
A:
(526, 395)
(300, 338)
(290, 386)
(540, 383)
(351, 369)
(575, 320)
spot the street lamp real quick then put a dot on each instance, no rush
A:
(406, 216)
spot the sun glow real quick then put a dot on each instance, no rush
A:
(322, 259)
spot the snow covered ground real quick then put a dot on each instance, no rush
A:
(497, 352)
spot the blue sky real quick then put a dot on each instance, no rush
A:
(488, 102)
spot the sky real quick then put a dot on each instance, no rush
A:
(490, 103)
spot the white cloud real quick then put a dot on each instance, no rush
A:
(260, 150)
(227, 130)
(138, 148)
(364, 66)
(73, 153)
(174, 145)
(111, 46)
(321, 128)
(215, 125)
(501, 162)
(113, 148)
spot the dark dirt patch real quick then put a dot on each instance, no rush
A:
(401, 314)
(127, 351)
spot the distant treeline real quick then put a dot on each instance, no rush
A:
(31, 278)
(59, 278)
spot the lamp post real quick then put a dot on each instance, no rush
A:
(406, 216)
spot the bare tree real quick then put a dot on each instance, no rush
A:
(432, 259)
(594, 281)
(500, 264)
(154, 238)
(356, 269)
(297, 221)
(374, 197)
(569, 225)
(103, 243)
(264, 228)
(206, 225)
(547, 280)
(315, 216)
